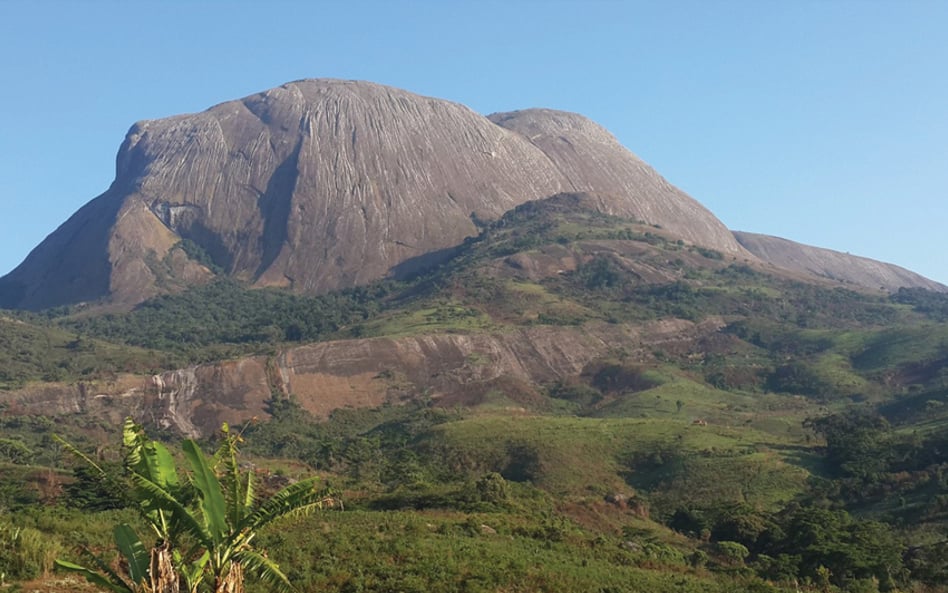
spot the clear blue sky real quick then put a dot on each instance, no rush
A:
(822, 121)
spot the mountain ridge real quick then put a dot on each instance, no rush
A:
(834, 265)
(322, 184)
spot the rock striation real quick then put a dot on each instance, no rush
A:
(325, 184)
(450, 369)
(592, 160)
(833, 265)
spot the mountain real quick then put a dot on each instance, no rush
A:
(554, 292)
(325, 184)
(834, 265)
(603, 373)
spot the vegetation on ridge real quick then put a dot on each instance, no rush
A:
(797, 443)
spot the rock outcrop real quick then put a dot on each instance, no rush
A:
(592, 160)
(450, 369)
(847, 269)
(325, 184)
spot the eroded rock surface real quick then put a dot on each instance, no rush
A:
(324, 184)
(449, 369)
(842, 267)
(592, 160)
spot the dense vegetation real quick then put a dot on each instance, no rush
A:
(223, 312)
(36, 351)
(801, 446)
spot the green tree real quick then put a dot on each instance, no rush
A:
(858, 442)
(849, 549)
(15, 451)
(732, 553)
(161, 569)
(492, 488)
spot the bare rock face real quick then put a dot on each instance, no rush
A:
(592, 160)
(826, 263)
(325, 184)
(449, 369)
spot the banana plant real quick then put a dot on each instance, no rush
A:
(204, 525)
(160, 569)
(228, 515)
(141, 578)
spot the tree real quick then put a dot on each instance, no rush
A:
(492, 488)
(845, 548)
(162, 568)
(732, 553)
(15, 451)
(204, 525)
(858, 442)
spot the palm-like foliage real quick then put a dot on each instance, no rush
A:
(149, 571)
(205, 526)
(136, 558)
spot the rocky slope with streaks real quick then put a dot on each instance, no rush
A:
(451, 369)
(323, 184)
(592, 160)
(833, 265)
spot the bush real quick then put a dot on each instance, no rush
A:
(732, 553)
(664, 554)
(492, 489)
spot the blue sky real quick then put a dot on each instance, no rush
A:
(822, 121)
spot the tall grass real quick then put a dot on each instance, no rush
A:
(26, 553)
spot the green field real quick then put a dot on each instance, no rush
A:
(802, 445)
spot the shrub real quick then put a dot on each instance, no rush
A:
(731, 552)
(492, 488)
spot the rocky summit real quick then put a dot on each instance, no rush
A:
(324, 184)
(319, 185)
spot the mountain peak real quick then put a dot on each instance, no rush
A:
(322, 184)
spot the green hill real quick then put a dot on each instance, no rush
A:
(798, 438)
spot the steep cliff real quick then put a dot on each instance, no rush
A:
(451, 369)
(323, 184)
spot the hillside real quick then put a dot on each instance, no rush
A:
(551, 292)
(33, 351)
(825, 263)
(637, 412)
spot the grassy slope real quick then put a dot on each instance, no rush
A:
(789, 351)
(31, 352)
(493, 551)
(670, 462)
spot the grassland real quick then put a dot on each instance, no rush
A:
(625, 477)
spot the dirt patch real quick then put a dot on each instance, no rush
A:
(452, 369)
